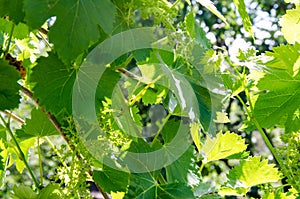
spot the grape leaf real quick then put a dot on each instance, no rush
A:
(223, 146)
(175, 190)
(3, 154)
(210, 6)
(22, 191)
(222, 118)
(290, 26)
(34, 8)
(282, 82)
(144, 185)
(111, 179)
(240, 4)
(21, 30)
(180, 169)
(76, 25)
(51, 74)
(195, 133)
(195, 31)
(251, 172)
(292, 1)
(9, 88)
(38, 126)
(13, 9)
(51, 191)
(14, 156)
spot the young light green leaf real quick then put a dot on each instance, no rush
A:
(251, 172)
(222, 118)
(292, 1)
(9, 88)
(14, 156)
(210, 6)
(290, 26)
(38, 126)
(223, 146)
(195, 133)
(281, 101)
(240, 4)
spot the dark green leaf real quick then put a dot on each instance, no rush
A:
(175, 191)
(51, 74)
(76, 24)
(38, 126)
(13, 9)
(9, 88)
(111, 179)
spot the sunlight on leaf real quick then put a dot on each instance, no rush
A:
(290, 25)
(240, 4)
(210, 6)
(223, 146)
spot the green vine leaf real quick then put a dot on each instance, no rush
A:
(51, 191)
(290, 26)
(280, 103)
(145, 186)
(111, 179)
(14, 155)
(13, 9)
(210, 6)
(22, 191)
(75, 27)
(38, 126)
(51, 73)
(250, 172)
(9, 88)
(223, 146)
(21, 30)
(240, 5)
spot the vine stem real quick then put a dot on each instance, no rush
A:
(40, 161)
(22, 156)
(59, 129)
(261, 131)
(9, 39)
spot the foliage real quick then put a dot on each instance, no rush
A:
(182, 98)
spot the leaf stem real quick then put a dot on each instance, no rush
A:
(40, 161)
(261, 131)
(22, 156)
(59, 129)
(161, 128)
(56, 151)
(161, 179)
(9, 39)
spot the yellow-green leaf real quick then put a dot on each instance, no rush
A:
(290, 25)
(240, 5)
(210, 6)
(223, 146)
